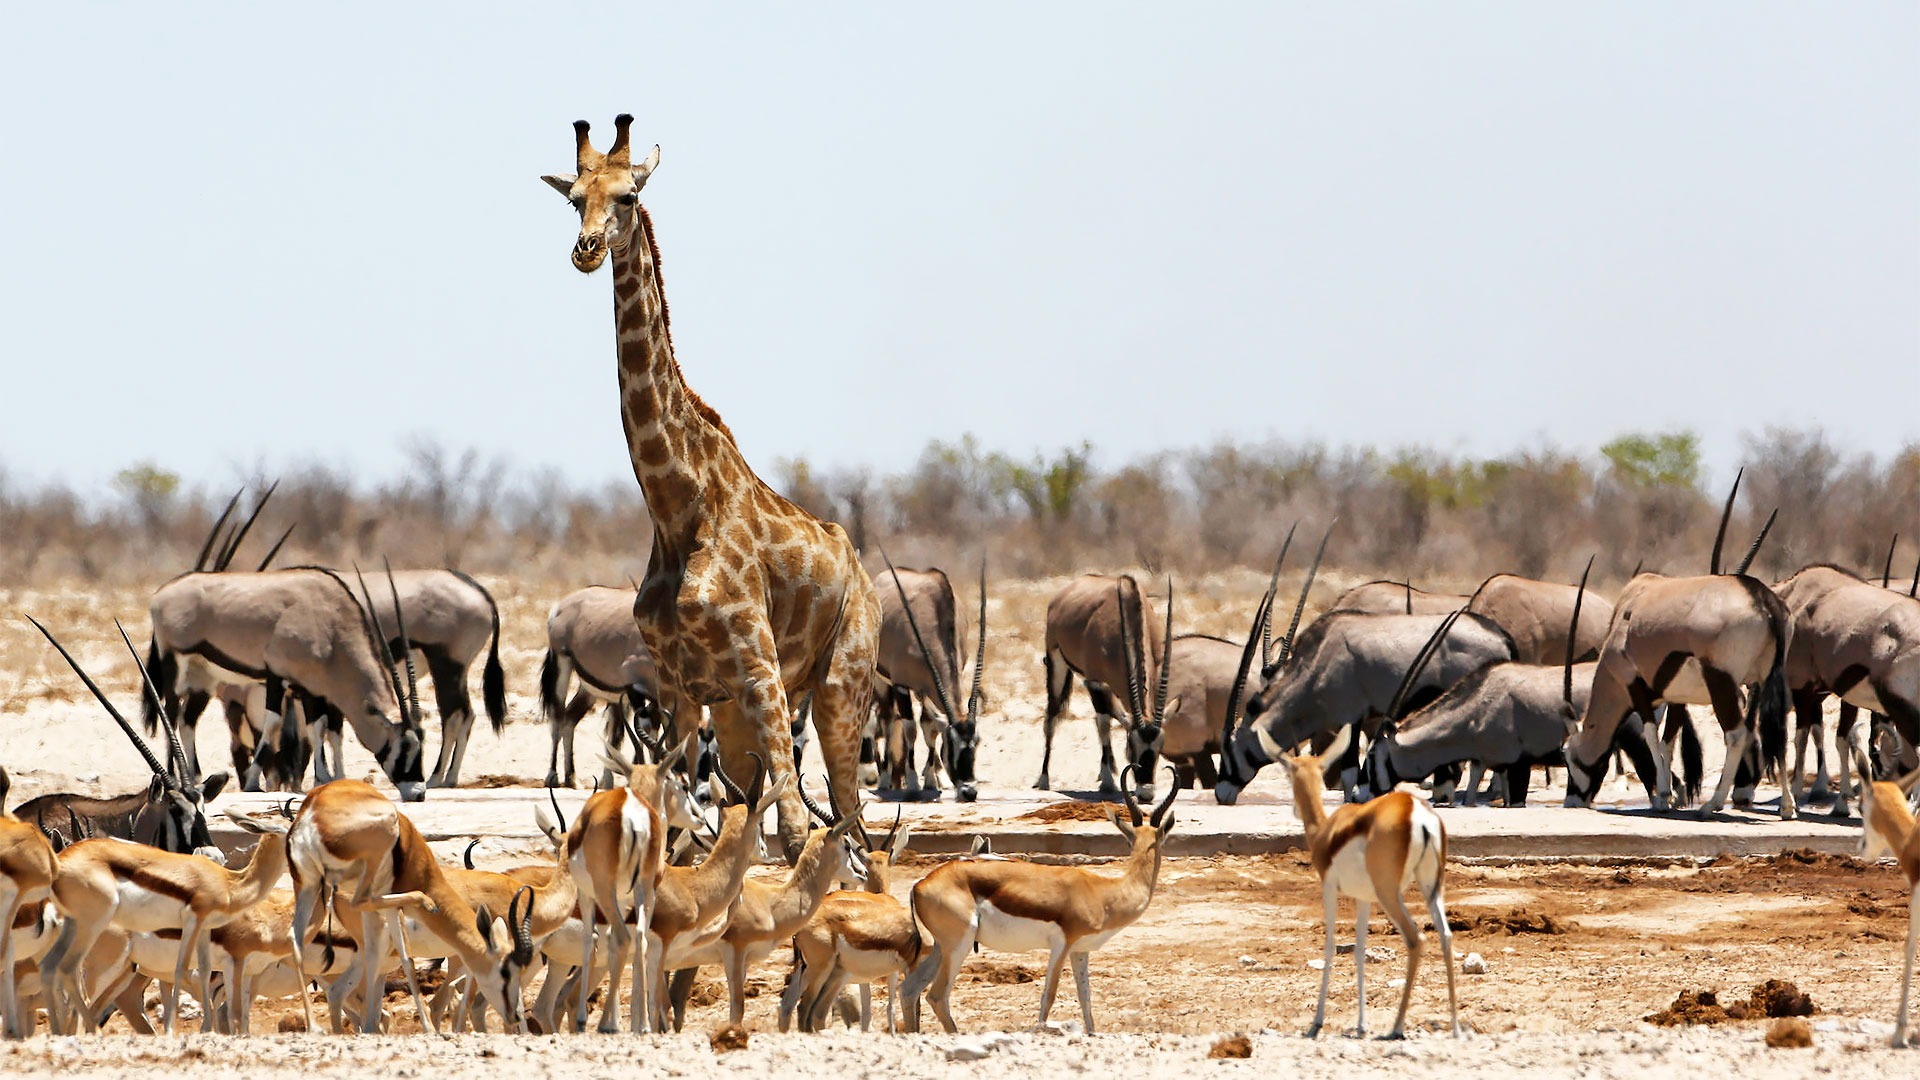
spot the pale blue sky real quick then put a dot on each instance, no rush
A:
(274, 233)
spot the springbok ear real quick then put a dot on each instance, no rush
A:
(483, 921)
(1113, 815)
(899, 845)
(645, 168)
(562, 184)
(773, 794)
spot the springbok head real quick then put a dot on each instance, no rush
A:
(605, 190)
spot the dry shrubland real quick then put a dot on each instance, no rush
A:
(1443, 519)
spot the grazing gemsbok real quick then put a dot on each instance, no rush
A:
(1855, 640)
(592, 636)
(1507, 717)
(305, 633)
(1013, 906)
(766, 914)
(1085, 621)
(918, 599)
(27, 870)
(864, 935)
(1694, 640)
(1889, 829)
(169, 813)
(1341, 675)
(1372, 852)
(348, 836)
(616, 851)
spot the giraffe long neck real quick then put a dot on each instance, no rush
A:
(672, 436)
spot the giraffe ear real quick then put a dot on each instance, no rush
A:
(645, 168)
(562, 184)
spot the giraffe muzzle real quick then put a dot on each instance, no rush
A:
(588, 253)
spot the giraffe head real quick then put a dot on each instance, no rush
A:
(606, 192)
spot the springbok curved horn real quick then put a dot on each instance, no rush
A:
(1419, 664)
(466, 857)
(618, 152)
(980, 650)
(174, 750)
(933, 665)
(146, 752)
(206, 546)
(759, 785)
(1573, 632)
(274, 550)
(733, 790)
(1286, 643)
(1754, 548)
(233, 544)
(1266, 629)
(814, 808)
(559, 817)
(1173, 789)
(891, 832)
(522, 925)
(1166, 660)
(1126, 792)
(1720, 536)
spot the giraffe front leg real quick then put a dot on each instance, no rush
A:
(840, 701)
(756, 723)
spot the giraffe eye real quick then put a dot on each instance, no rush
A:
(630, 198)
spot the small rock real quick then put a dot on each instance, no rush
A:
(1248, 961)
(971, 1050)
(731, 1037)
(1395, 984)
(1379, 954)
(1790, 1033)
(1474, 964)
(1317, 965)
(1231, 1046)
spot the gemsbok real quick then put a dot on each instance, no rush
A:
(1084, 624)
(591, 636)
(1372, 852)
(917, 601)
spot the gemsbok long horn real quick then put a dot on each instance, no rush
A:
(1726, 512)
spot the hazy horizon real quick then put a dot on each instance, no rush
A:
(248, 238)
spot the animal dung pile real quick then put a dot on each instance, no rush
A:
(1774, 998)
(1515, 921)
(1790, 1033)
(731, 1037)
(1231, 1046)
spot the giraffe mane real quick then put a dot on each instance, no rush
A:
(706, 411)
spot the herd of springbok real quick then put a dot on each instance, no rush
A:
(756, 628)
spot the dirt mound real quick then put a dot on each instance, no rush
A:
(1000, 974)
(501, 780)
(1790, 1034)
(1690, 1007)
(1819, 859)
(1067, 811)
(1864, 904)
(1232, 1046)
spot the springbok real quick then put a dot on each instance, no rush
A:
(1855, 640)
(347, 834)
(920, 598)
(111, 882)
(1084, 621)
(864, 935)
(1507, 717)
(1372, 852)
(591, 635)
(1888, 828)
(1342, 673)
(766, 914)
(301, 631)
(1014, 906)
(27, 871)
(169, 813)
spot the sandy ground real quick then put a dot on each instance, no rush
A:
(1578, 955)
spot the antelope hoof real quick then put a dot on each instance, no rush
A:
(1042, 784)
(1395, 1035)
(967, 792)
(1312, 1032)
(1143, 792)
(1840, 810)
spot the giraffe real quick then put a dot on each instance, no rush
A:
(748, 600)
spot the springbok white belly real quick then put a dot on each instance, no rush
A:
(1348, 872)
(1002, 932)
(869, 965)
